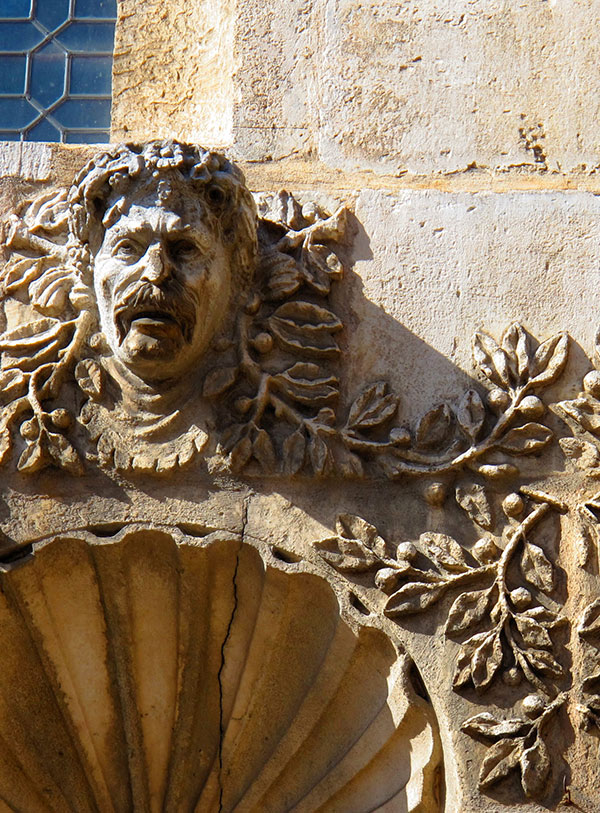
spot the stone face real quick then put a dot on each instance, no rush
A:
(346, 555)
(347, 428)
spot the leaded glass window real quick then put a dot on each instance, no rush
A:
(55, 69)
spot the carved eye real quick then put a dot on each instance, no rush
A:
(183, 249)
(216, 196)
(127, 250)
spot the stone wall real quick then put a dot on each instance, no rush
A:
(461, 137)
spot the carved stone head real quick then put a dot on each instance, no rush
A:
(149, 311)
(170, 231)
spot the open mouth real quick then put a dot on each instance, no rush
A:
(143, 320)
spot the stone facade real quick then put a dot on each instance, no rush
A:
(300, 503)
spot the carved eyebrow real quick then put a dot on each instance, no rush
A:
(137, 230)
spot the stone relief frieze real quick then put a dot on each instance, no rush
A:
(157, 316)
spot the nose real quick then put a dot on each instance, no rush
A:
(156, 264)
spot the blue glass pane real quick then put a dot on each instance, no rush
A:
(88, 37)
(76, 113)
(96, 8)
(15, 8)
(7, 136)
(91, 75)
(47, 75)
(12, 74)
(19, 36)
(75, 137)
(16, 113)
(51, 13)
(43, 131)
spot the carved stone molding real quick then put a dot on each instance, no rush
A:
(162, 671)
(157, 316)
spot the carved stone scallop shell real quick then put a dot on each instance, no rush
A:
(156, 671)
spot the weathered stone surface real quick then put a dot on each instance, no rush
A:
(165, 672)
(429, 87)
(436, 504)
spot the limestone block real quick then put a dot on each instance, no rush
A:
(395, 87)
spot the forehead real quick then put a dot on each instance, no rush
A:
(156, 210)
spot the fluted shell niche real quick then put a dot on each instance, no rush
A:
(157, 671)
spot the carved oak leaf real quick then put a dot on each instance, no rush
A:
(320, 455)
(306, 328)
(12, 384)
(549, 360)
(35, 343)
(589, 624)
(471, 414)
(518, 745)
(372, 407)
(445, 551)
(413, 598)
(219, 381)
(536, 567)
(284, 275)
(240, 454)
(351, 526)
(486, 660)
(535, 768)
(263, 451)
(305, 384)
(357, 547)
(49, 294)
(321, 266)
(515, 344)
(584, 410)
(468, 610)
(294, 452)
(527, 439)
(49, 448)
(486, 725)
(533, 633)
(479, 659)
(543, 662)
(502, 757)
(89, 376)
(473, 499)
(347, 555)
(19, 274)
(491, 360)
(434, 427)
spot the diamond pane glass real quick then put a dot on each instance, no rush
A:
(12, 74)
(43, 131)
(51, 13)
(47, 83)
(91, 75)
(16, 113)
(76, 114)
(15, 8)
(77, 137)
(88, 37)
(18, 37)
(96, 8)
(55, 69)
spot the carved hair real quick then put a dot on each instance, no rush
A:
(108, 185)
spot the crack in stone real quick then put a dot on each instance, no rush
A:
(224, 644)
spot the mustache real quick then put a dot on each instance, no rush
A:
(171, 299)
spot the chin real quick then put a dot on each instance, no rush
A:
(151, 358)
